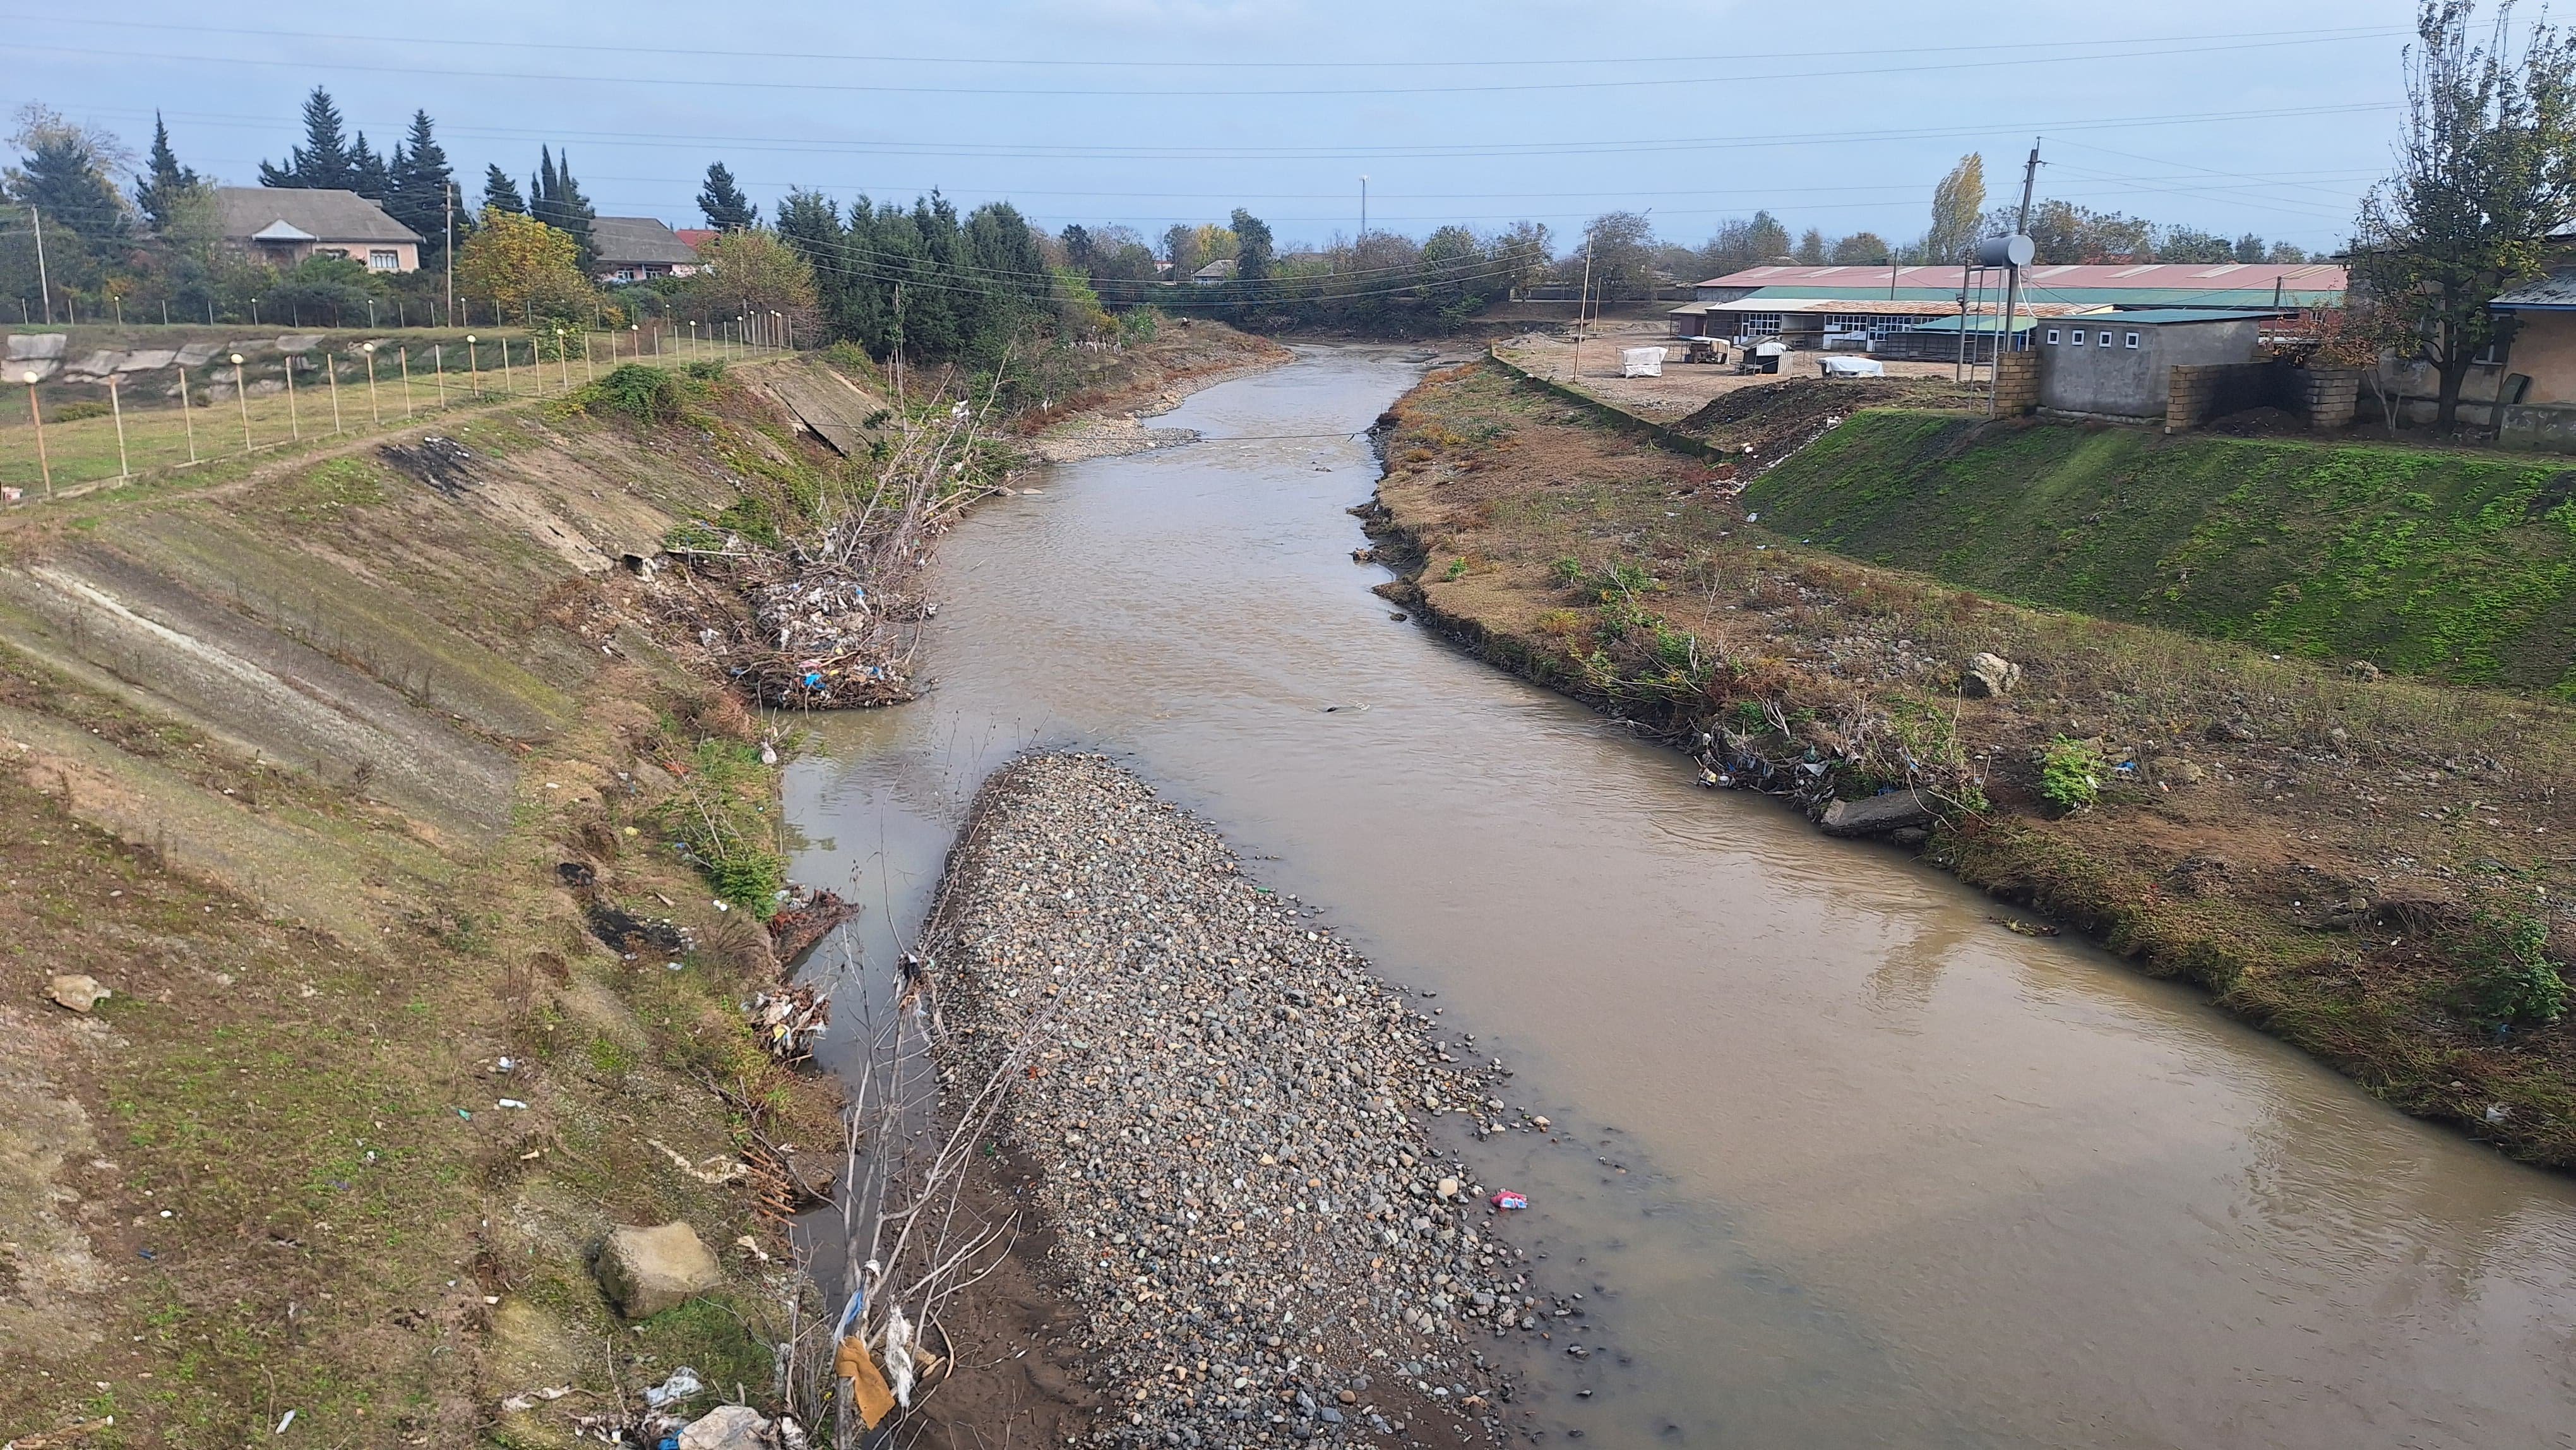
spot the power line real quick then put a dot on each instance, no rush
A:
(1228, 92)
(1059, 62)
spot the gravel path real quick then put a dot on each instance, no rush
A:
(1225, 1109)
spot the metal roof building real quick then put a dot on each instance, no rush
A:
(631, 248)
(2149, 284)
(283, 225)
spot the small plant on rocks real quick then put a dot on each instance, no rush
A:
(2070, 773)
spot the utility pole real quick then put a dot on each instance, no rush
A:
(1363, 217)
(2012, 276)
(43, 284)
(447, 196)
(1582, 300)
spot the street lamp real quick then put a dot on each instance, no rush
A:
(374, 414)
(241, 395)
(43, 463)
(472, 368)
(563, 359)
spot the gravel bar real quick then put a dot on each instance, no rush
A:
(1225, 1108)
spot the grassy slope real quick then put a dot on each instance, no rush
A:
(2456, 566)
(2229, 862)
(313, 985)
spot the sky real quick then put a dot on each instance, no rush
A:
(2225, 116)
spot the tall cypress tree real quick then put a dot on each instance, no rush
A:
(418, 197)
(157, 190)
(723, 203)
(557, 201)
(500, 193)
(324, 159)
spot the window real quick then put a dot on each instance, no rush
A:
(2133, 341)
(2052, 334)
(1761, 324)
(2104, 339)
(384, 259)
(2079, 337)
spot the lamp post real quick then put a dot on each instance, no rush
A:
(374, 413)
(588, 373)
(241, 395)
(294, 424)
(438, 366)
(44, 464)
(635, 340)
(693, 334)
(473, 367)
(402, 355)
(507, 386)
(331, 376)
(563, 359)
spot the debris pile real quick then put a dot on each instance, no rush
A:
(790, 1021)
(804, 917)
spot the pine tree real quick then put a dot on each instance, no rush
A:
(369, 175)
(418, 197)
(323, 160)
(157, 191)
(723, 202)
(501, 194)
(64, 180)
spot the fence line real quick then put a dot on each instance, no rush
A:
(53, 442)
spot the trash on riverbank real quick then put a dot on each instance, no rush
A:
(1508, 1201)
(790, 1021)
(804, 917)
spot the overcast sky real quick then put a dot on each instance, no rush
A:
(2268, 118)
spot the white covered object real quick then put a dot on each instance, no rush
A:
(1852, 367)
(1641, 362)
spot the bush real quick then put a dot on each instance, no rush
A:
(75, 412)
(649, 395)
(705, 369)
(2509, 979)
(720, 821)
(2070, 774)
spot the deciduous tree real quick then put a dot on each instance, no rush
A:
(521, 268)
(2486, 174)
(1957, 203)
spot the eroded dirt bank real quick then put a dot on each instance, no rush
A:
(362, 785)
(2372, 869)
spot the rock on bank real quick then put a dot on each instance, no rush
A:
(1225, 1110)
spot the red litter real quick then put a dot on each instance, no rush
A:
(1509, 1200)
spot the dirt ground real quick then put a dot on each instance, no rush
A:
(2363, 866)
(1684, 387)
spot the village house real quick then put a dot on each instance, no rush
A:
(284, 225)
(2117, 367)
(1220, 270)
(634, 248)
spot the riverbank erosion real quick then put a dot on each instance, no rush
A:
(405, 862)
(1219, 1117)
(2372, 868)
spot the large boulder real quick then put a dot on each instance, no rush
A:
(1988, 676)
(647, 1270)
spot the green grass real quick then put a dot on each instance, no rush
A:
(2453, 565)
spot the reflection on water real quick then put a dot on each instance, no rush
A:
(1892, 1174)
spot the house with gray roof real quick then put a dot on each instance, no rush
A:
(632, 248)
(283, 225)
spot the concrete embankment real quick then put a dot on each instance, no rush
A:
(1223, 1112)
(2361, 865)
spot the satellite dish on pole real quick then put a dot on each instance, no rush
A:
(2012, 251)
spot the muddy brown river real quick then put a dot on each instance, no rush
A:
(1841, 1162)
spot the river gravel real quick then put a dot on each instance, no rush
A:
(1225, 1107)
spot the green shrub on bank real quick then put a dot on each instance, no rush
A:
(2509, 979)
(646, 394)
(720, 821)
(2070, 773)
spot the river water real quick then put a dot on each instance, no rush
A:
(1841, 1162)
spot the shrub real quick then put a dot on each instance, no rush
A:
(650, 395)
(2509, 979)
(2070, 773)
(722, 825)
(86, 408)
(705, 369)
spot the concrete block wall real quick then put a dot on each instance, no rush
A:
(2320, 397)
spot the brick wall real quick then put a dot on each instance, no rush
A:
(2320, 397)
(2016, 384)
